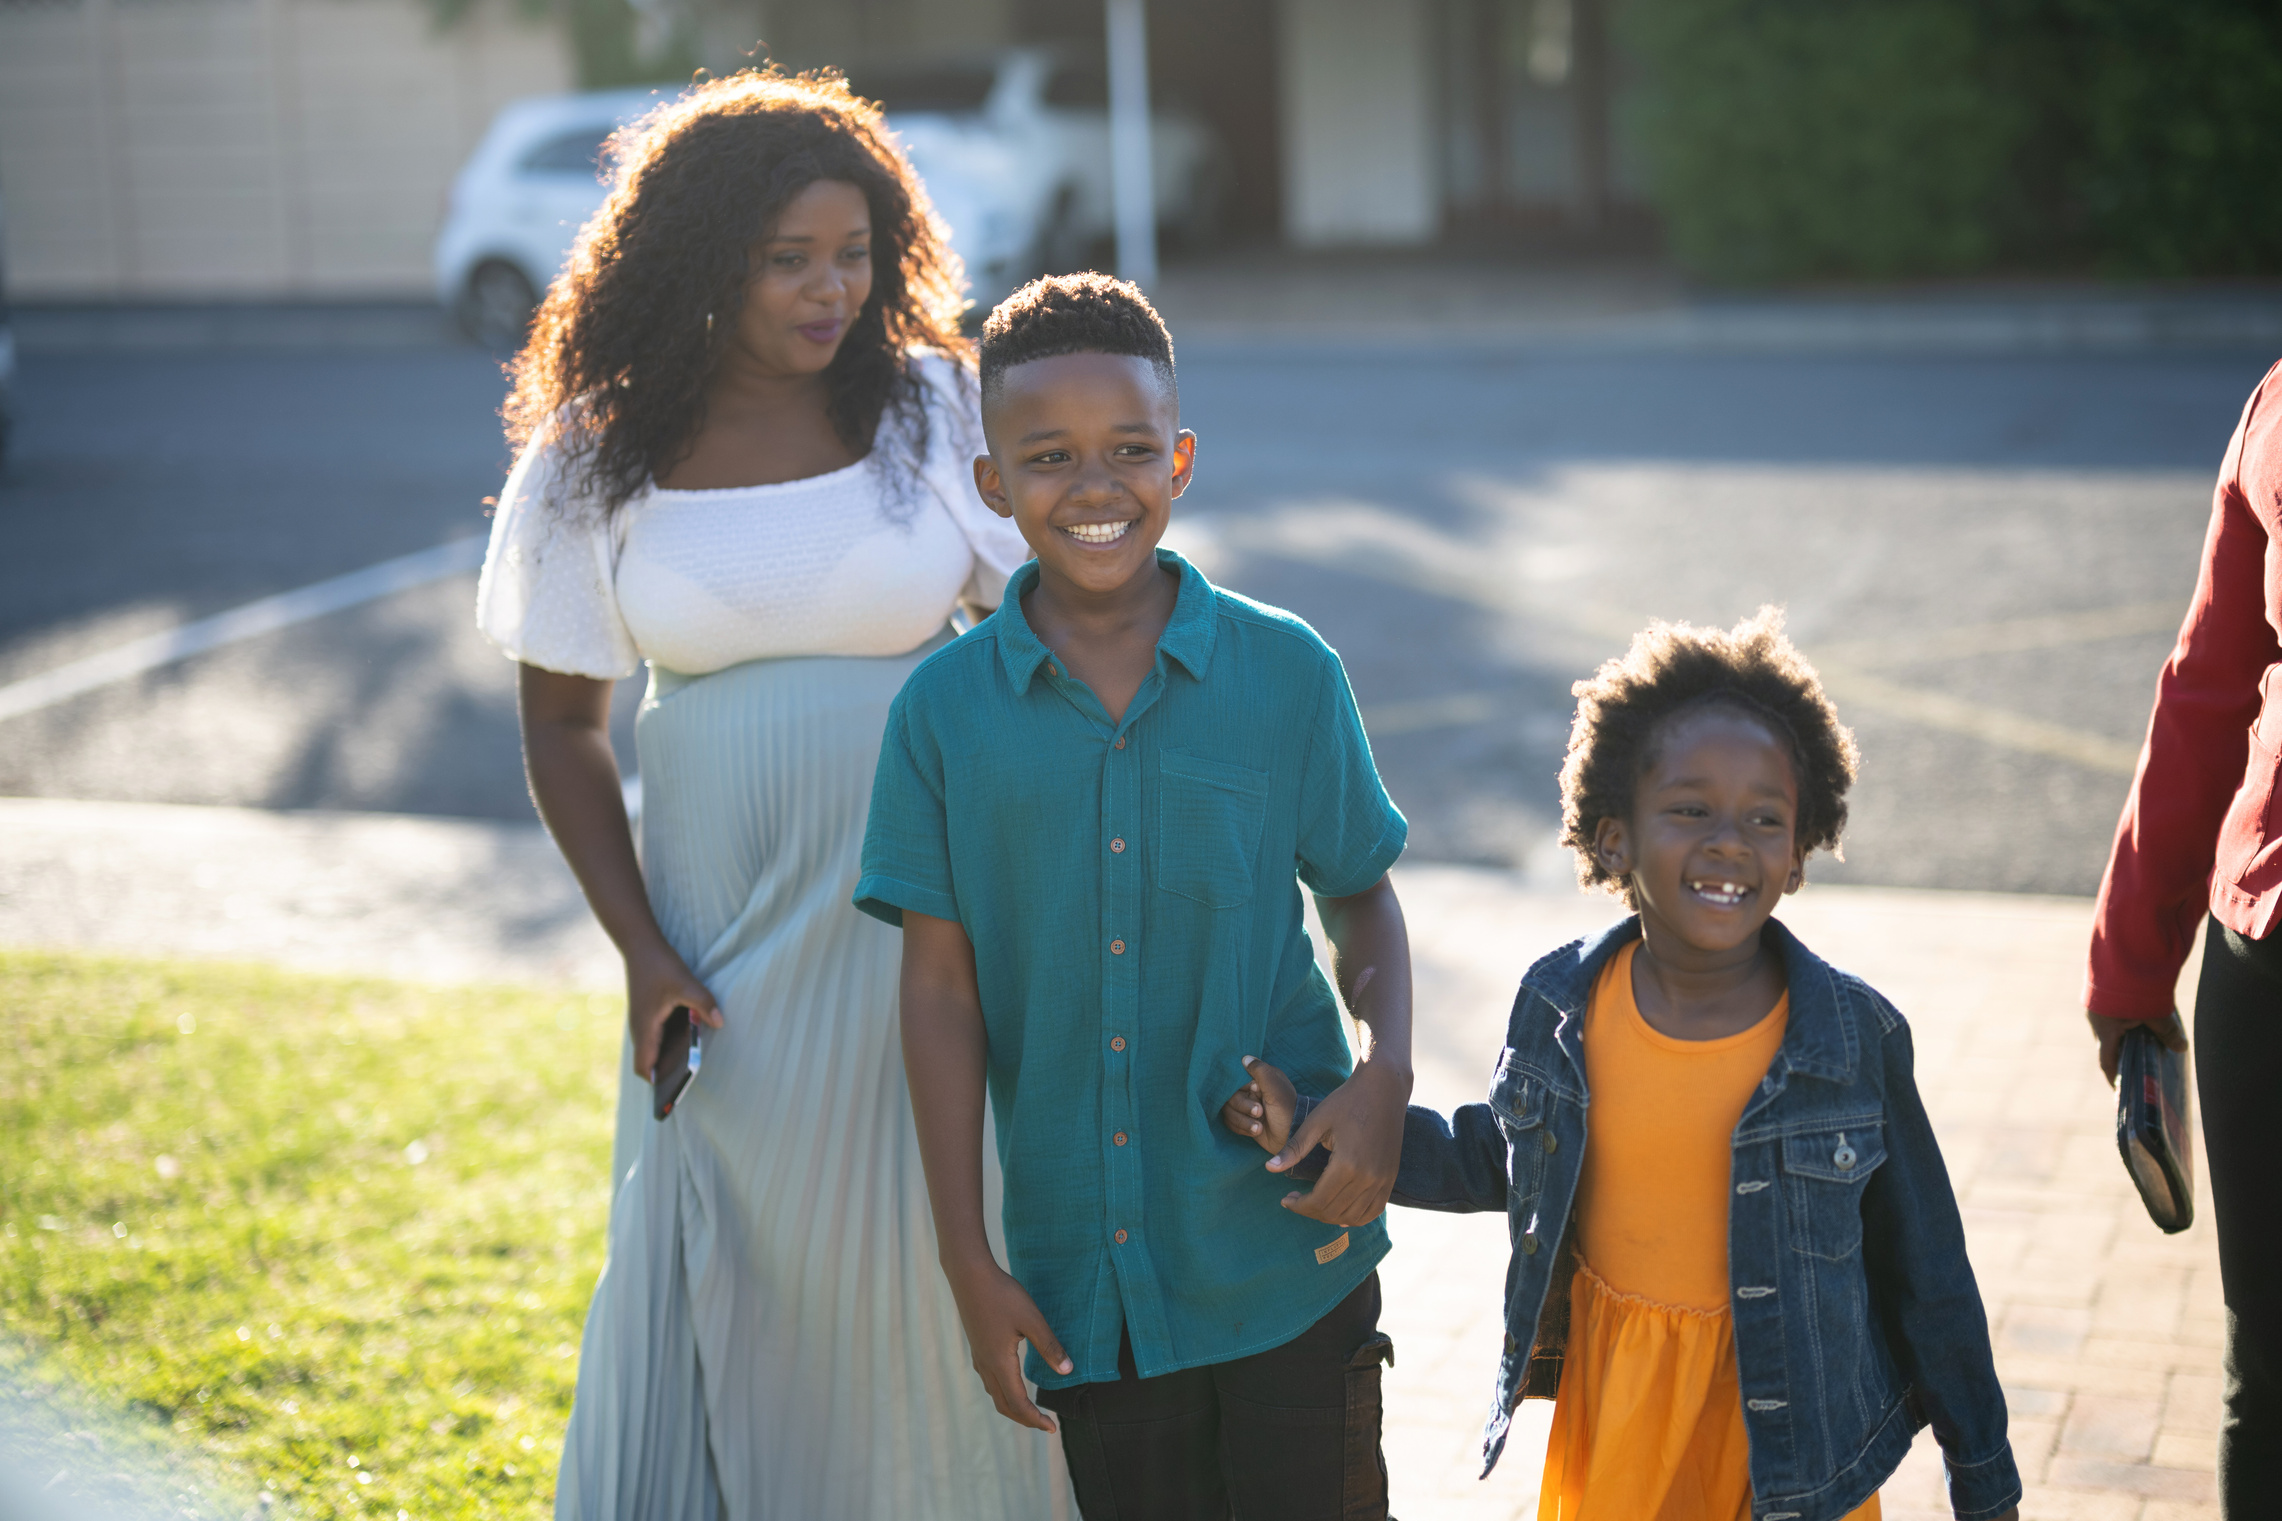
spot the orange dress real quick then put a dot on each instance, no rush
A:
(1649, 1422)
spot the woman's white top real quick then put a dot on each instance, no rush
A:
(865, 560)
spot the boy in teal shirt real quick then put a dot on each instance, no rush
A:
(1091, 817)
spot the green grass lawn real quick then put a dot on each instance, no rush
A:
(339, 1235)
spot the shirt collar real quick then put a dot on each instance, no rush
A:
(1187, 639)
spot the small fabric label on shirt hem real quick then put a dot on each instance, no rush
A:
(1331, 1249)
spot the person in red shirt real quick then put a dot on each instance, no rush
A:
(2199, 848)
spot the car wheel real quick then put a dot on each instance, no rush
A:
(496, 307)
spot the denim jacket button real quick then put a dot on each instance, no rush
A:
(1529, 1243)
(1552, 1142)
(1843, 1158)
(1511, 1346)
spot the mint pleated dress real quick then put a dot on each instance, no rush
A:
(772, 1338)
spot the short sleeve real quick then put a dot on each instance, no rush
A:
(1350, 830)
(547, 595)
(907, 843)
(955, 438)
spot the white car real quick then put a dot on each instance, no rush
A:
(1047, 110)
(519, 201)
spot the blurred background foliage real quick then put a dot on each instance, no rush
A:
(1793, 139)
(1867, 139)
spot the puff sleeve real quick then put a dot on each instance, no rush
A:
(547, 595)
(955, 437)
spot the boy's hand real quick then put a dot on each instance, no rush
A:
(999, 1316)
(1360, 1124)
(1263, 1108)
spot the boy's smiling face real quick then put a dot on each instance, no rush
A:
(1086, 455)
(1711, 845)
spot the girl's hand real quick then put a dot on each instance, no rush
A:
(1262, 1109)
(657, 983)
(1361, 1125)
(999, 1315)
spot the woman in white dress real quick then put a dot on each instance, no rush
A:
(745, 418)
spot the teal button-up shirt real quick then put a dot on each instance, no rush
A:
(1132, 892)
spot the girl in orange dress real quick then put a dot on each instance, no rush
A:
(1744, 1281)
(1649, 1422)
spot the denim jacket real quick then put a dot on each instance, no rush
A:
(1856, 1316)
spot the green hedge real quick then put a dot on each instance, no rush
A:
(1880, 138)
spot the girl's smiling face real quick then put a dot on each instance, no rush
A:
(1711, 844)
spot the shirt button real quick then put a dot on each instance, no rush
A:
(1529, 1243)
(1117, 1043)
(1117, 847)
(1117, 947)
(1121, 1238)
(1119, 1138)
(1120, 743)
(1552, 1142)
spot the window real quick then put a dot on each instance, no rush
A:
(575, 152)
(952, 89)
(1079, 87)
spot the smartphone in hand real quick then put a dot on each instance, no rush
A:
(679, 1050)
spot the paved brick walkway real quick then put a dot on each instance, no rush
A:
(2107, 1331)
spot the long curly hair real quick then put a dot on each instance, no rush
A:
(620, 352)
(1624, 708)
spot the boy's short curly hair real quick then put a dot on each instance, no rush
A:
(1673, 668)
(1087, 313)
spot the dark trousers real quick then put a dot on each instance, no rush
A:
(2238, 1078)
(1289, 1434)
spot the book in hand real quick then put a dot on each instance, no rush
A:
(679, 1051)
(2155, 1128)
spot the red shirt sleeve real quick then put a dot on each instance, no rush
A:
(2158, 883)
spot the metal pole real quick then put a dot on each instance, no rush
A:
(1133, 190)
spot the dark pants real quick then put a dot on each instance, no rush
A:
(2238, 1077)
(1289, 1434)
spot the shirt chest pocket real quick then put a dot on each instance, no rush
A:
(1824, 1172)
(1518, 1100)
(1210, 815)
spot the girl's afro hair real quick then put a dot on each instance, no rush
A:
(1673, 668)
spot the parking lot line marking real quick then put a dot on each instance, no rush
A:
(2010, 636)
(1995, 726)
(248, 621)
(1362, 540)
(1456, 710)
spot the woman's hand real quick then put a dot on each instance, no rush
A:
(657, 983)
(2111, 1033)
(999, 1316)
(1263, 1108)
(574, 780)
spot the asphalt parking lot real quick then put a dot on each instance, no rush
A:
(1986, 551)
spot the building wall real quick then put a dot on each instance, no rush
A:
(1358, 121)
(244, 148)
